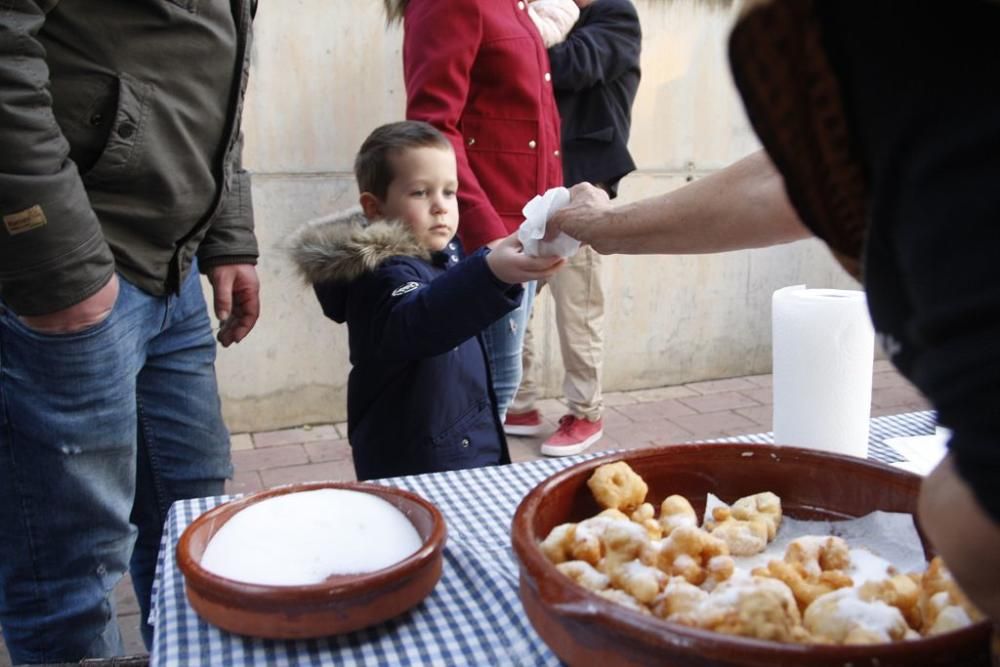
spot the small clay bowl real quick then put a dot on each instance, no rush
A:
(342, 603)
(583, 628)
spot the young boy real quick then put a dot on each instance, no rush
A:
(418, 396)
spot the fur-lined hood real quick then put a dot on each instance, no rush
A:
(343, 246)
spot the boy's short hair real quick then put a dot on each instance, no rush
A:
(372, 166)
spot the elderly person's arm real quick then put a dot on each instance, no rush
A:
(741, 206)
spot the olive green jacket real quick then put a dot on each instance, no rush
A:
(120, 145)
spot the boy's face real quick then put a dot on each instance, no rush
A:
(422, 194)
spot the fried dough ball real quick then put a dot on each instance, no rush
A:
(765, 507)
(899, 591)
(749, 607)
(640, 581)
(677, 597)
(645, 517)
(615, 514)
(624, 599)
(748, 525)
(818, 553)
(622, 541)
(558, 545)
(583, 541)
(947, 617)
(842, 617)
(938, 593)
(584, 574)
(687, 552)
(804, 586)
(720, 568)
(587, 539)
(676, 511)
(744, 538)
(942, 604)
(616, 485)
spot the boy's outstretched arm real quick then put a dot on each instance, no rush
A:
(416, 318)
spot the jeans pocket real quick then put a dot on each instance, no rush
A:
(95, 329)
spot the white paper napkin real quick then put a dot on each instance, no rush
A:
(536, 215)
(922, 452)
(892, 536)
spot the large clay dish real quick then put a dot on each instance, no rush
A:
(583, 628)
(339, 604)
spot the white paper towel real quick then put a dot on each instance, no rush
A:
(823, 347)
(536, 215)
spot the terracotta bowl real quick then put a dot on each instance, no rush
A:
(583, 628)
(339, 604)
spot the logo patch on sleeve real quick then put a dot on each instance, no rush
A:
(404, 289)
(24, 221)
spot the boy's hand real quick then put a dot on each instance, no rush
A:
(508, 262)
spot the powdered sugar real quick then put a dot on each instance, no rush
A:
(303, 538)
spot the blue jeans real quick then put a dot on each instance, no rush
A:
(100, 431)
(503, 340)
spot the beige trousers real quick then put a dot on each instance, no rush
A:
(579, 300)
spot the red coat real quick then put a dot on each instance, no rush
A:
(478, 71)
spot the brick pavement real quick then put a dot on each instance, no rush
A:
(695, 411)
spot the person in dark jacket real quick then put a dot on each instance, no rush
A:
(419, 397)
(119, 174)
(595, 74)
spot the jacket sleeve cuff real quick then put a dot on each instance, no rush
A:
(221, 260)
(50, 287)
(231, 234)
(62, 257)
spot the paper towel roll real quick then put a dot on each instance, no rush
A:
(823, 349)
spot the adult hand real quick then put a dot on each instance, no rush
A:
(587, 206)
(508, 262)
(237, 300)
(89, 312)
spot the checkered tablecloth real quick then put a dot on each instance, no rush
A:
(473, 616)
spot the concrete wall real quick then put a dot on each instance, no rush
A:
(326, 73)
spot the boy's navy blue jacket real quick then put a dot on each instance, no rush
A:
(595, 75)
(419, 396)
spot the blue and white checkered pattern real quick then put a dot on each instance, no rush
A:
(473, 616)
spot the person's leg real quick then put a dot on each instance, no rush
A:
(527, 391)
(579, 301)
(522, 417)
(67, 479)
(183, 443)
(503, 340)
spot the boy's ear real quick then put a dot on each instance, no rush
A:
(370, 206)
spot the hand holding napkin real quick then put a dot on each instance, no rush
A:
(536, 214)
